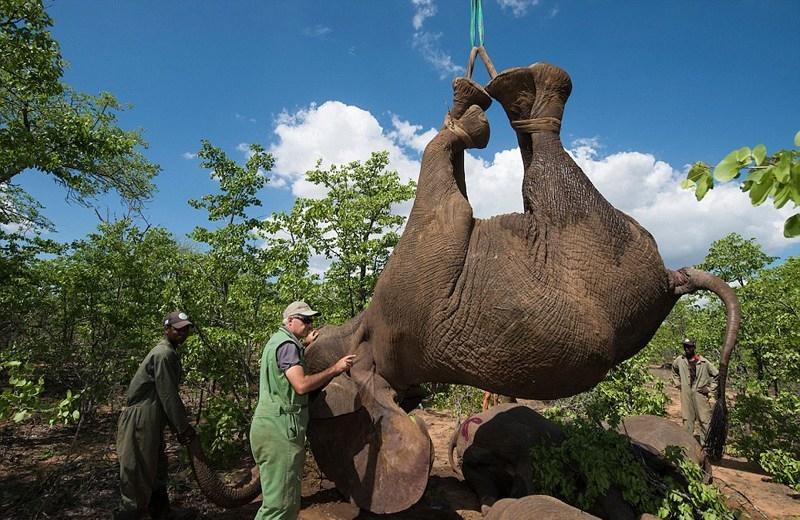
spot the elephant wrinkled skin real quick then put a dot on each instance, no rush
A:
(539, 304)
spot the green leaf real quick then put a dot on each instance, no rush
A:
(697, 171)
(728, 168)
(759, 192)
(791, 228)
(797, 138)
(76, 415)
(759, 154)
(782, 196)
(702, 188)
(687, 184)
(21, 416)
(782, 169)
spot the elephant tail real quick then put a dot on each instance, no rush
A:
(451, 448)
(690, 280)
(215, 489)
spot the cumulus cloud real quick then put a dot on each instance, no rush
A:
(188, 155)
(635, 182)
(518, 7)
(427, 43)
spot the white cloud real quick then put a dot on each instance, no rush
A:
(635, 182)
(316, 31)
(648, 190)
(337, 134)
(518, 7)
(188, 155)
(427, 43)
(424, 9)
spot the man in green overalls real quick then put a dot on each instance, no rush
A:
(278, 431)
(697, 379)
(153, 401)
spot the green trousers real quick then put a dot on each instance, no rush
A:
(278, 445)
(694, 406)
(142, 460)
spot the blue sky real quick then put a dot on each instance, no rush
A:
(656, 86)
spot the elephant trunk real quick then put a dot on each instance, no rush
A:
(215, 489)
(689, 280)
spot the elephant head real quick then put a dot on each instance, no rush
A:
(539, 304)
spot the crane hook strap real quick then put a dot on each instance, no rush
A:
(480, 51)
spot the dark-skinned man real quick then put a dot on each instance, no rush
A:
(697, 378)
(153, 402)
(278, 431)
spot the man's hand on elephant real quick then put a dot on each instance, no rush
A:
(311, 337)
(186, 436)
(344, 364)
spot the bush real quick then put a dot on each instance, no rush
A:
(462, 400)
(591, 461)
(628, 389)
(784, 468)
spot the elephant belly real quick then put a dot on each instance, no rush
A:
(543, 311)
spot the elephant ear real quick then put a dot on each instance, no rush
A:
(339, 397)
(377, 455)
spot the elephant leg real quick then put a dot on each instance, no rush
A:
(515, 89)
(482, 478)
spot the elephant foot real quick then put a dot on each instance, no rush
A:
(377, 455)
(466, 93)
(553, 87)
(471, 129)
(515, 89)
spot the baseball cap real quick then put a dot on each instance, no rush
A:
(299, 307)
(177, 320)
(689, 342)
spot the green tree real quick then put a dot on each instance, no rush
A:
(355, 225)
(229, 293)
(47, 126)
(775, 177)
(735, 259)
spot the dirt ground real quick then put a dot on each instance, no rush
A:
(48, 473)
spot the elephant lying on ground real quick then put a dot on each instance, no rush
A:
(653, 434)
(534, 507)
(539, 304)
(494, 448)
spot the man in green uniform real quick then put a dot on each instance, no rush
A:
(697, 379)
(278, 431)
(153, 402)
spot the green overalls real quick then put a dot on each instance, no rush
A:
(694, 394)
(153, 402)
(278, 434)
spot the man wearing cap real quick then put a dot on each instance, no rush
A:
(278, 431)
(153, 402)
(697, 378)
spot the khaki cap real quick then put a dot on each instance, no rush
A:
(299, 308)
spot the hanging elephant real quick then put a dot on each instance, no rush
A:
(539, 304)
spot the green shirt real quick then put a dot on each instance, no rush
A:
(157, 380)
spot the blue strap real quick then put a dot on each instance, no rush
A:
(476, 22)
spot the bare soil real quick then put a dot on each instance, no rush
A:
(48, 472)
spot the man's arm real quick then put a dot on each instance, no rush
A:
(714, 373)
(304, 383)
(167, 375)
(676, 374)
